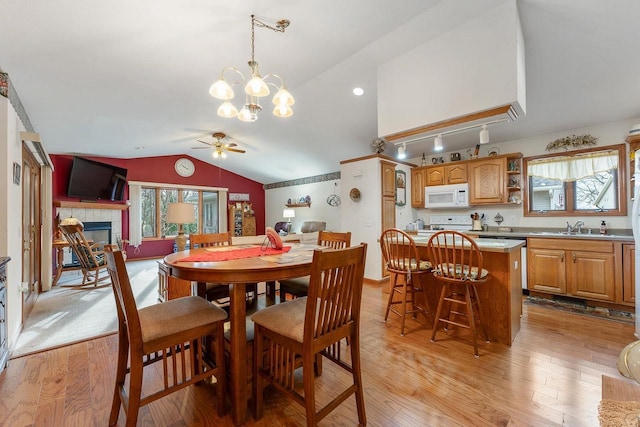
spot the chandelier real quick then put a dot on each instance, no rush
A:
(256, 87)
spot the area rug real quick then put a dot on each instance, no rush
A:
(70, 313)
(579, 307)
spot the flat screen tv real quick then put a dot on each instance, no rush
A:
(91, 180)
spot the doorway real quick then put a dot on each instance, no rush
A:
(31, 231)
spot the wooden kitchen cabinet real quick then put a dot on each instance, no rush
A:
(487, 181)
(388, 179)
(629, 273)
(418, 182)
(577, 268)
(446, 174)
(495, 180)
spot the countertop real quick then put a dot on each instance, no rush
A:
(623, 235)
(485, 245)
(614, 235)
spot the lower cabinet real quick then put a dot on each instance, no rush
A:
(629, 273)
(579, 268)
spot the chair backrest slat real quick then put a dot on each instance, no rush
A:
(125, 299)
(454, 255)
(399, 250)
(335, 290)
(80, 246)
(210, 239)
(334, 239)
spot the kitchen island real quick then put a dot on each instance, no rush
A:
(500, 295)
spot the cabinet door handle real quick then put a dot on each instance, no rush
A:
(562, 257)
(574, 258)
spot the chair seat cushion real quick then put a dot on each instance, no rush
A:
(176, 316)
(424, 265)
(287, 318)
(460, 271)
(298, 284)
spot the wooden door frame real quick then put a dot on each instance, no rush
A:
(31, 175)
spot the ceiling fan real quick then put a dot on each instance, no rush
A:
(220, 148)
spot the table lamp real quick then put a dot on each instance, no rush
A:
(288, 214)
(181, 213)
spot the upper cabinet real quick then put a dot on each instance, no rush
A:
(447, 174)
(418, 182)
(495, 180)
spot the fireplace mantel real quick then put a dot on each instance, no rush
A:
(89, 205)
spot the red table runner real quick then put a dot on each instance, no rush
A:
(227, 254)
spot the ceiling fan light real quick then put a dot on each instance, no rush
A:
(223, 154)
(283, 97)
(282, 110)
(221, 90)
(227, 110)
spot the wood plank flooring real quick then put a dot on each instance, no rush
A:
(550, 376)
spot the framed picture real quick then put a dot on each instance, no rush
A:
(16, 173)
(401, 188)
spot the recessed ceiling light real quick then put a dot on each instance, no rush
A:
(358, 91)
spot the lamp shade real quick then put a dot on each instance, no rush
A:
(72, 221)
(181, 213)
(288, 213)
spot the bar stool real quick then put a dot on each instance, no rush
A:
(457, 263)
(402, 261)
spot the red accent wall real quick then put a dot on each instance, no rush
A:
(160, 170)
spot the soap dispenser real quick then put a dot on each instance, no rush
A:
(603, 227)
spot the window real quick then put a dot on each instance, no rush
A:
(583, 182)
(154, 203)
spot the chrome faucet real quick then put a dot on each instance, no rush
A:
(577, 228)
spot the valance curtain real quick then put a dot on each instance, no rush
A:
(135, 215)
(572, 168)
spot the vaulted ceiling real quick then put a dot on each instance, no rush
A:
(131, 79)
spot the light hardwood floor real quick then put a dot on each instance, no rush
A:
(550, 376)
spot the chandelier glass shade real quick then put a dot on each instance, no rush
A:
(255, 87)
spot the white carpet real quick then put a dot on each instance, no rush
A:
(69, 313)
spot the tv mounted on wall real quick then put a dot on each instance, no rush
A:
(91, 180)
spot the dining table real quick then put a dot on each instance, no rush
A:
(195, 265)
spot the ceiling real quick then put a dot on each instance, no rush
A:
(130, 79)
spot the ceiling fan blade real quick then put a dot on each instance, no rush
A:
(231, 144)
(205, 142)
(200, 148)
(236, 150)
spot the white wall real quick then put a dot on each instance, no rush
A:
(11, 214)
(363, 218)
(451, 72)
(320, 210)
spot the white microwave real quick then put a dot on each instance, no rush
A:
(446, 196)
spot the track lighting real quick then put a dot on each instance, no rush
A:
(484, 135)
(402, 151)
(437, 143)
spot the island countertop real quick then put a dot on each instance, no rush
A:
(485, 245)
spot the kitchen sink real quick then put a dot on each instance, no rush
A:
(567, 233)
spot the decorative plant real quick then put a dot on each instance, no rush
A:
(122, 243)
(573, 141)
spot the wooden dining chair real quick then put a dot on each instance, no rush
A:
(457, 263)
(291, 334)
(299, 286)
(217, 291)
(407, 272)
(166, 333)
(90, 256)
